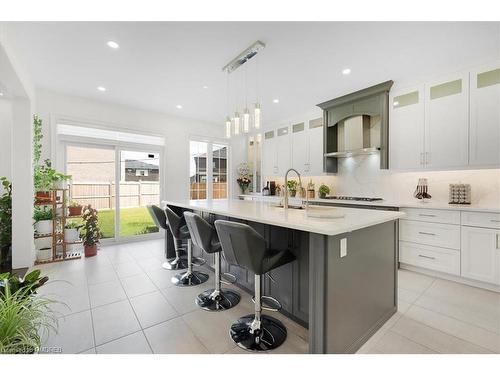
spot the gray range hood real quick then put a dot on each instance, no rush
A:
(357, 124)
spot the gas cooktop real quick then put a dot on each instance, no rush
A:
(345, 198)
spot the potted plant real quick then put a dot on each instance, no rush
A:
(75, 208)
(90, 232)
(323, 191)
(72, 231)
(292, 187)
(24, 318)
(5, 222)
(310, 190)
(43, 219)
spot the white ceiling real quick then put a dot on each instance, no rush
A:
(162, 64)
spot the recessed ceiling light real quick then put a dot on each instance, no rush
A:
(101, 88)
(1, 93)
(395, 103)
(276, 100)
(205, 87)
(346, 71)
(113, 45)
(178, 106)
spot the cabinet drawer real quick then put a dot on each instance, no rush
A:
(434, 258)
(434, 216)
(481, 219)
(432, 234)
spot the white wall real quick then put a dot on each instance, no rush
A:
(5, 138)
(176, 131)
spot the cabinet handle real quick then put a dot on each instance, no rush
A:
(428, 233)
(426, 257)
(421, 158)
(427, 158)
(495, 221)
(427, 215)
(498, 241)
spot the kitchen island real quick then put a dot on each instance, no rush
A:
(343, 285)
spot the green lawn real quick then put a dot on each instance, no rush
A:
(133, 221)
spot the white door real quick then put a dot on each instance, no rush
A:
(315, 147)
(447, 122)
(480, 254)
(300, 158)
(269, 154)
(406, 129)
(283, 150)
(484, 144)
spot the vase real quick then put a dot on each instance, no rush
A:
(90, 251)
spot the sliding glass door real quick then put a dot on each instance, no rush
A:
(93, 171)
(121, 206)
(208, 170)
(139, 187)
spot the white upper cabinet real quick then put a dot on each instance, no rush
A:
(447, 122)
(269, 154)
(300, 145)
(484, 144)
(315, 147)
(406, 135)
(283, 149)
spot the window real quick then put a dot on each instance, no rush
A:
(208, 170)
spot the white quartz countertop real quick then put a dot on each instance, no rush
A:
(266, 213)
(431, 205)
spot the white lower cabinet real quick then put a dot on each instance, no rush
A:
(431, 257)
(459, 243)
(480, 254)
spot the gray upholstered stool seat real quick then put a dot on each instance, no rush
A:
(180, 232)
(160, 219)
(204, 236)
(244, 246)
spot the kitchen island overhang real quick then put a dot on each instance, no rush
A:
(343, 285)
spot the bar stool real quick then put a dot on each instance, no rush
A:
(180, 232)
(159, 218)
(204, 236)
(243, 246)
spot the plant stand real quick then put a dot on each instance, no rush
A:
(58, 225)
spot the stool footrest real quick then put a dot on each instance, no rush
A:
(269, 303)
(198, 262)
(230, 278)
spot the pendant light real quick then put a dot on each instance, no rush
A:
(256, 108)
(256, 116)
(228, 127)
(246, 112)
(236, 120)
(228, 120)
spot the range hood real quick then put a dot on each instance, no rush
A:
(354, 137)
(357, 124)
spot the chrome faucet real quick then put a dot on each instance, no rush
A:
(285, 204)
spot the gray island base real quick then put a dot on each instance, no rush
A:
(343, 285)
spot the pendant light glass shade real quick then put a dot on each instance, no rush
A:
(228, 127)
(256, 118)
(246, 121)
(236, 123)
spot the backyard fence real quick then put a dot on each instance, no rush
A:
(101, 195)
(198, 190)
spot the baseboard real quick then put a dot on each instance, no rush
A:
(446, 276)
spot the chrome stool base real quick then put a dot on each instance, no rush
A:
(189, 279)
(223, 300)
(176, 264)
(272, 333)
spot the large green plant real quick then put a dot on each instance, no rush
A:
(24, 317)
(90, 231)
(44, 176)
(31, 282)
(5, 218)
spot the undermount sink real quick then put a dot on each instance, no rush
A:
(291, 206)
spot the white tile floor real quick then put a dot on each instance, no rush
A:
(122, 301)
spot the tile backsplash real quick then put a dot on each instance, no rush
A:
(361, 176)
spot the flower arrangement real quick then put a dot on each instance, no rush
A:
(243, 182)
